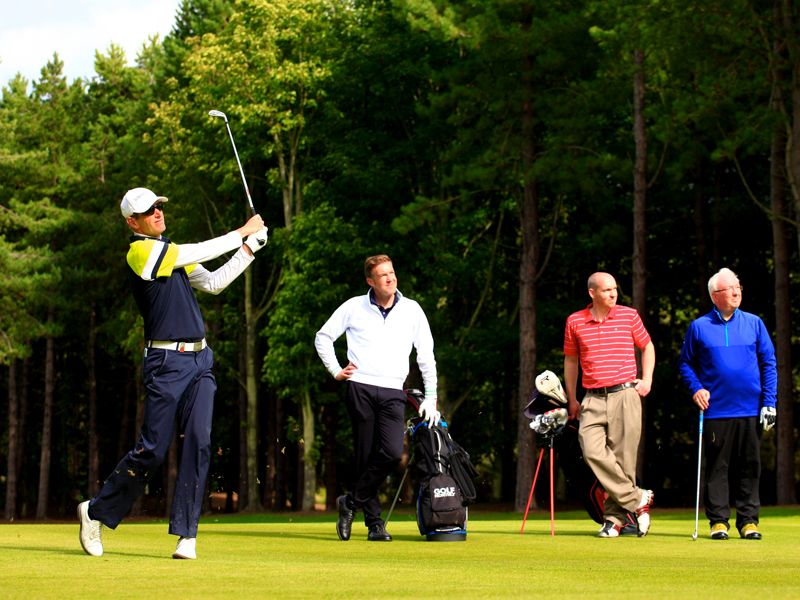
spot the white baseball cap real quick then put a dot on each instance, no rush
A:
(138, 200)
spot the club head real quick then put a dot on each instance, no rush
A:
(549, 384)
(694, 536)
(218, 113)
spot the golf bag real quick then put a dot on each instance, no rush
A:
(543, 409)
(446, 489)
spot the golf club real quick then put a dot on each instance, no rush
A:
(549, 384)
(219, 113)
(699, 457)
(396, 496)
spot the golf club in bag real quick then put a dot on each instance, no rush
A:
(444, 476)
(220, 114)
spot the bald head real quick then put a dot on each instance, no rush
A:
(600, 280)
(603, 292)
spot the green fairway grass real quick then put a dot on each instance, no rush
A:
(291, 556)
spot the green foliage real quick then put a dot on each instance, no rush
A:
(322, 251)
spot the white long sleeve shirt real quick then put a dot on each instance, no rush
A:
(380, 348)
(158, 257)
(162, 275)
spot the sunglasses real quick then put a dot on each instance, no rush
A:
(149, 212)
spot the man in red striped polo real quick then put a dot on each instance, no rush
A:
(601, 339)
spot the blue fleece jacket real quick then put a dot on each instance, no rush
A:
(734, 360)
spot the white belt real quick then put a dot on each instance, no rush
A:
(179, 346)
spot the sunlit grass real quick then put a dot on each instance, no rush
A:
(291, 556)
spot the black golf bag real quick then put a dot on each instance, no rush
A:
(446, 489)
(444, 473)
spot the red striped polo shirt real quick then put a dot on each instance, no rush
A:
(605, 350)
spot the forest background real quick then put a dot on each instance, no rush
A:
(499, 150)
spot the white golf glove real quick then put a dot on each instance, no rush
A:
(428, 412)
(768, 417)
(256, 241)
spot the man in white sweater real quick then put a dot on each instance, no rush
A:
(381, 328)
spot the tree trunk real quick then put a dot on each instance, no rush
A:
(244, 484)
(13, 433)
(529, 226)
(272, 449)
(22, 432)
(330, 416)
(308, 447)
(639, 186)
(783, 323)
(47, 427)
(94, 454)
(123, 443)
(136, 510)
(281, 460)
(253, 493)
(639, 223)
(785, 167)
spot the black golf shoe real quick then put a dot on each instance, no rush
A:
(378, 533)
(344, 523)
(719, 531)
(631, 526)
(750, 532)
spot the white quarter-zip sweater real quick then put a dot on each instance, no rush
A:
(380, 348)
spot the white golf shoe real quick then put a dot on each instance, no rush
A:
(187, 548)
(643, 512)
(91, 531)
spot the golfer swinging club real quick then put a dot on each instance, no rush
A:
(176, 368)
(381, 327)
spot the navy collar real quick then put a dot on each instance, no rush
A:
(384, 311)
(721, 318)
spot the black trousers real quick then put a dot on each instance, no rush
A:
(378, 417)
(733, 469)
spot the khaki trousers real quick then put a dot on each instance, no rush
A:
(610, 429)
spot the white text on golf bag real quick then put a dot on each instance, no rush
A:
(444, 492)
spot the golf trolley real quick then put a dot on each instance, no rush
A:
(548, 419)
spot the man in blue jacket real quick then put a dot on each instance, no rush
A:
(728, 364)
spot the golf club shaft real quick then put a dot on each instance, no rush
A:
(699, 459)
(241, 171)
(396, 496)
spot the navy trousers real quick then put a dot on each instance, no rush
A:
(378, 417)
(733, 469)
(180, 391)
